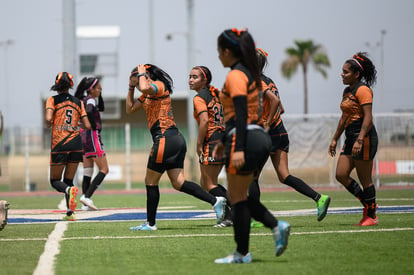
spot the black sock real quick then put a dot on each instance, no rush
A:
(218, 192)
(153, 198)
(370, 198)
(94, 184)
(356, 190)
(85, 184)
(254, 190)
(261, 214)
(59, 185)
(68, 182)
(241, 225)
(300, 186)
(195, 190)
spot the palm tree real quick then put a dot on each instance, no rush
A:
(302, 54)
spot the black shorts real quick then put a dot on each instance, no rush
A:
(167, 152)
(369, 147)
(71, 152)
(207, 157)
(280, 138)
(257, 150)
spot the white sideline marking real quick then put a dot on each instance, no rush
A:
(212, 235)
(46, 263)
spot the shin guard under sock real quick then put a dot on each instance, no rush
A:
(153, 198)
(261, 214)
(241, 225)
(195, 190)
(300, 186)
(94, 184)
(356, 190)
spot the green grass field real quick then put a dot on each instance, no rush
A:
(333, 246)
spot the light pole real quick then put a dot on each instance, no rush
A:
(5, 44)
(380, 45)
(190, 63)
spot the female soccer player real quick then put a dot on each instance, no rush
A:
(90, 91)
(169, 148)
(63, 113)
(280, 148)
(208, 113)
(247, 145)
(361, 139)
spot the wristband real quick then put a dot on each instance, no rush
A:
(131, 88)
(142, 74)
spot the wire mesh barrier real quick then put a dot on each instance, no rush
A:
(24, 157)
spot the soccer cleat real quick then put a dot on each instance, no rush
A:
(219, 207)
(254, 224)
(368, 221)
(88, 202)
(73, 191)
(323, 204)
(144, 227)
(235, 258)
(281, 234)
(72, 217)
(224, 223)
(4, 207)
(365, 214)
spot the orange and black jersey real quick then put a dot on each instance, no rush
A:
(239, 82)
(207, 101)
(158, 109)
(240, 89)
(352, 102)
(269, 86)
(67, 112)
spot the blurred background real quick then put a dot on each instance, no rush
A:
(38, 39)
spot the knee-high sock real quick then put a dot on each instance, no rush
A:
(241, 225)
(195, 190)
(85, 184)
(254, 190)
(370, 200)
(94, 184)
(260, 213)
(153, 198)
(356, 190)
(300, 186)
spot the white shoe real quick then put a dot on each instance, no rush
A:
(85, 208)
(88, 202)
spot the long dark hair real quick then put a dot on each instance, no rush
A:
(63, 82)
(362, 64)
(241, 44)
(261, 58)
(86, 85)
(156, 73)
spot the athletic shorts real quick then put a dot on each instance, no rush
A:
(369, 147)
(280, 138)
(207, 157)
(167, 152)
(92, 143)
(258, 144)
(70, 152)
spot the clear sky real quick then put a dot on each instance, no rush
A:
(28, 66)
